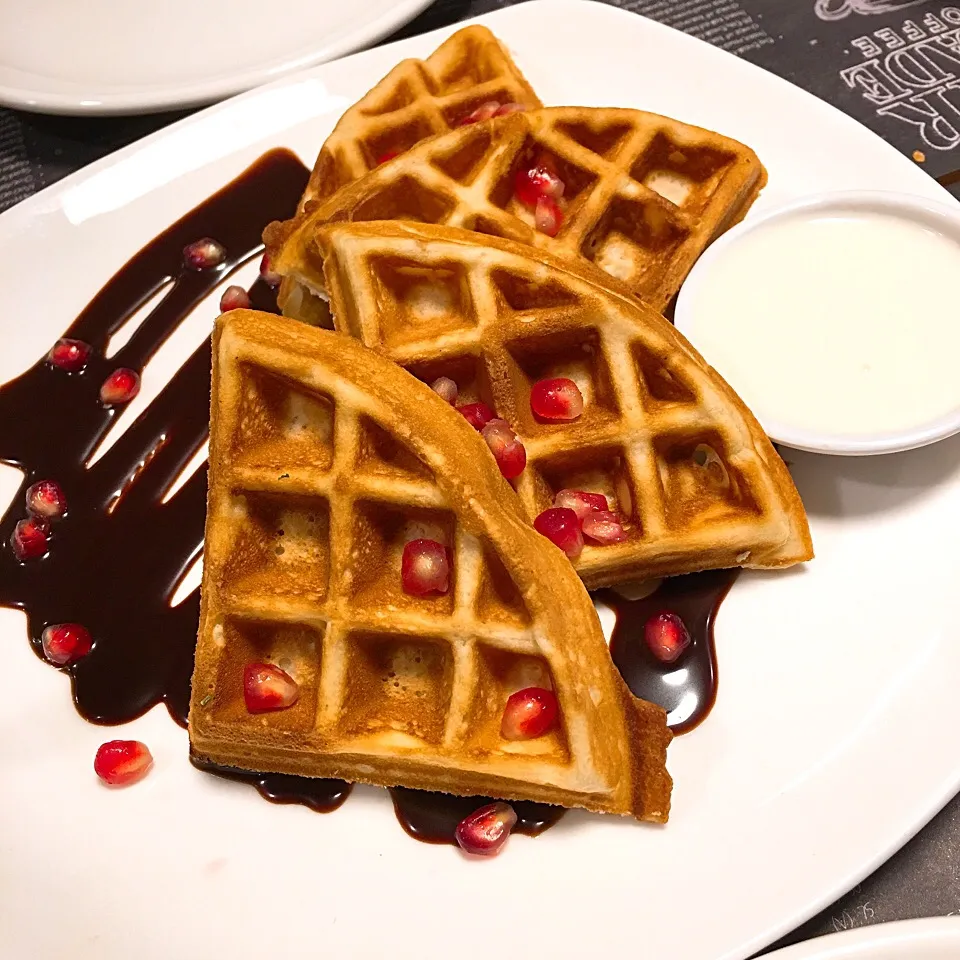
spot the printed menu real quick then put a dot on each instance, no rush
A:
(892, 64)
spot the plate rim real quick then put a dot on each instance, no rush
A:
(158, 97)
(859, 943)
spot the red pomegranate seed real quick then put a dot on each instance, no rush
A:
(204, 254)
(556, 399)
(387, 156)
(507, 448)
(270, 277)
(478, 414)
(540, 180)
(70, 355)
(45, 498)
(266, 687)
(484, 832)
(425, 568)
(120, 387)
(562, 527)
(446, 388)
(30, 538)
(122, 762)
(581, 502)
(485, 111)
(509, 108)
(548, 217)
(666, 635)
(65, 643)
(234, 298)
(529, 714)
(604, 526)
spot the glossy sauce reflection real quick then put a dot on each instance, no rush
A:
(686, 689)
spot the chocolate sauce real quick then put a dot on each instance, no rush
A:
(323, 796)
(116, 558)
(433, 817)
(687, 688)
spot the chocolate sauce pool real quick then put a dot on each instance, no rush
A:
(116, 558)
(433, 817)
(324, 796)
(687, 688)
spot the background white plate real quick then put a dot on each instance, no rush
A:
(136, 56)
(936, 938)
(833, 738)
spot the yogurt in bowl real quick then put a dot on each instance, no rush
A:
(837, 320)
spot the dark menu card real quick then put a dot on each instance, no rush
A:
(892, 64)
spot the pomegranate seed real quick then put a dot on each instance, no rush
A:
(120, 387)
(562, 527)
(387, 156)
(447, 389)
(484, 832)
(70, 355)
(266, 687)
(604, 526)
(548, 217)
(30, 538)
(529, 714)
(507, 448)
(234, 298)
(509, 108)
(540, 180)
(556, 399)
(204, 254)
(46, 499)
(485, 111)
(478, 414)
(425, 568)
(666, 635)
(122, 762)
(65, 643)
(270, 277)
(581, 502)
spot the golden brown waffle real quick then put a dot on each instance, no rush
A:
(643, 196)
(325, 458)
(690, 470)
(415, 100)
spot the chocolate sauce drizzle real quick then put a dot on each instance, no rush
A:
(687, 688)
(116, 558)
(323, 796)
(433, 817)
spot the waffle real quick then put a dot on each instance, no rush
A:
(325, 458)
(690, 470)
(643, 196)
(415, 100)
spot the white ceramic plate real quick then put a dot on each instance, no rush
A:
(936, 938)
(131, 56)
(833, 738)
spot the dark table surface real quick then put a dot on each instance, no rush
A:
(893, 64)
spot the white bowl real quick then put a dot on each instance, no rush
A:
(943, 218)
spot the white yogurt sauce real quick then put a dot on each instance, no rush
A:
(838, 322)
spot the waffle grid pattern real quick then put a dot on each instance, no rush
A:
(643, 196)
(311, 501)
(661, 434)
(416, 100)
(345, 496)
